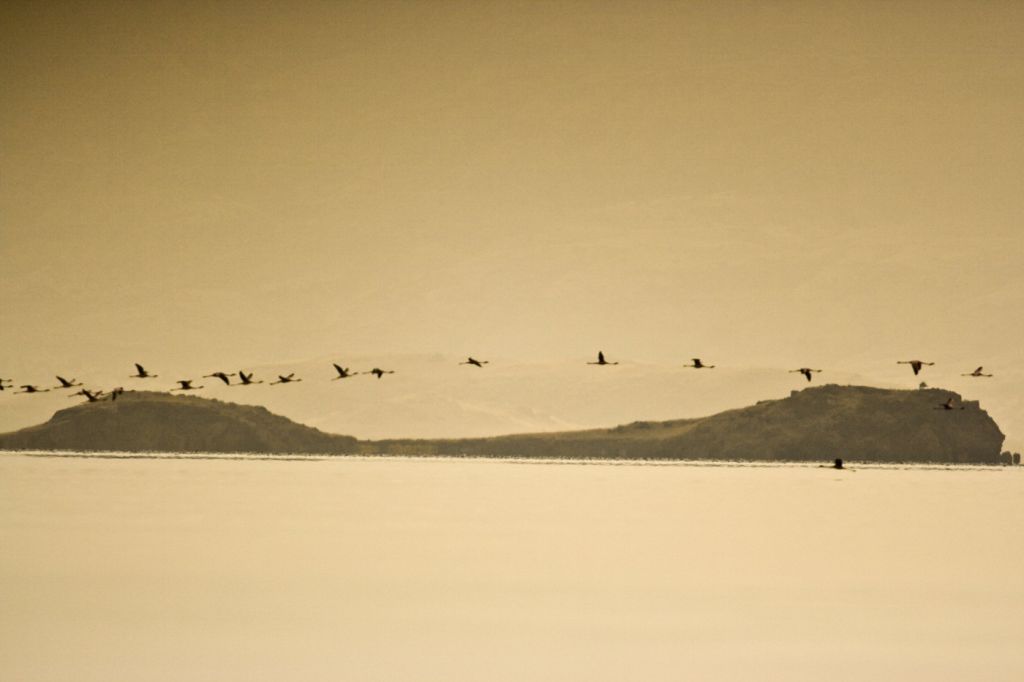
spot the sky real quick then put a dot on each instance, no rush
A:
(768, 184)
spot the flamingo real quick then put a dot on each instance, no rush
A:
(976, 373)
(246, 379)
(914, 364)
(343, 372)
(29, 388)
(64, 383)
(92, 397)
(220, 375)
(697, 364)
(601, 360)
(143, 374)
(806, 371)
(186, 385)
(474, 362)
(285, 379)
(376, 371)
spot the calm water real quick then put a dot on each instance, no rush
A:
(402, 569)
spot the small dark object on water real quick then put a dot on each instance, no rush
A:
(838, 464)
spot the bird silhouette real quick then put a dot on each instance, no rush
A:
(948, 405)
(116, 393)
(246, 379)
(220, 375)
(285, 379)
(976, 373)
(376, 371)
(143, 374)
(186, 385)
(29, 388)
(806, 371)
(343, 372)
(64, 383)
(914, 364)
(10, 385)
(601, 360)
(697, 364)
(474, 362)
(89, 395)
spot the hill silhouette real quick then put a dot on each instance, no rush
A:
(815, 424)
(143, 421)
(819, 423)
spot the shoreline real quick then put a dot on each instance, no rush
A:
(851, 465)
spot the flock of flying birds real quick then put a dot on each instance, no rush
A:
(345, 373)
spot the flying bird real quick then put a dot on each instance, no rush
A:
(115, 393)
(474, 362)
(186, 385)
(92, 397)
(343, 372)
(10, 385)
(143, 374)
(806, 371)
(914, 364)
(285, 379)
(246, 379)
(220, 375)
(697, 364)
(29, 388)
(601, 360)
(976, 373)
(376, 371)
(64, 383)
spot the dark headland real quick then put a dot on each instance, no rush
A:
(144, 421)
(816, 424)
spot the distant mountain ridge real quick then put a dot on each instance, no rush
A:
(144, 421)
(815, 424)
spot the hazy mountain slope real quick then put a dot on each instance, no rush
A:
(146, 421)
(822, 423)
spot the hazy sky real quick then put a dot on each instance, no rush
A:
(761, 182)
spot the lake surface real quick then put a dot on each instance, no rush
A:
(221, 568)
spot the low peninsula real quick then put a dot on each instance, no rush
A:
(821, 423)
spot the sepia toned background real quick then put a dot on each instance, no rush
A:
(276, 186)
